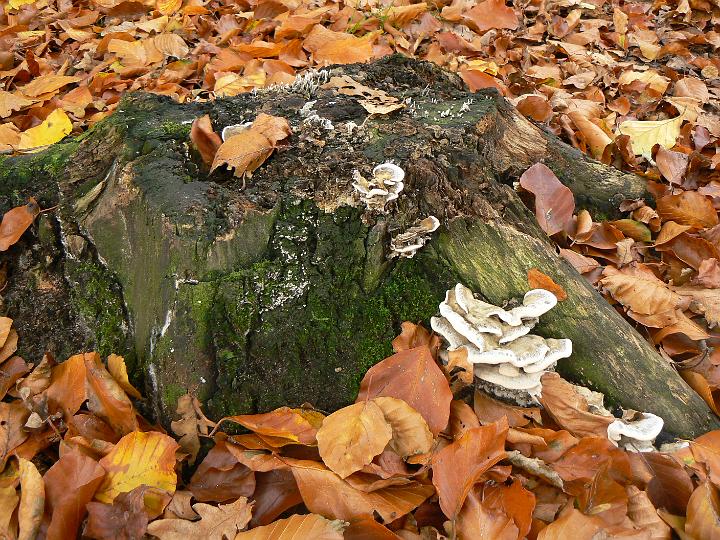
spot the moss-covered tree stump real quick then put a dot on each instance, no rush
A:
(281, 291)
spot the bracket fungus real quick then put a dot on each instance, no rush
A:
(508, 361)
(636, 430)
(385, 185)
(406, 244)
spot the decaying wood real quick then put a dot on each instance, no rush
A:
(282, 291)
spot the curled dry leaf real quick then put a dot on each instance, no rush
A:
(703, 513)
(570, 409)
(216, 522)
(325, 493)
(573, 524)
(191, 425)
(117, 368)
(458, 466)
(413, 376)
(249, 149)
(350, 438)
(141, 459)
(282, 426)
(295, 527)
(69, 485)
(688, 208)
(410, 434)
(106, 398)
(32, 500)
(16, 221)
(478, 521)
(124, 519)
(220, 476)
(415, 335)
(205, 139)
(554, 202)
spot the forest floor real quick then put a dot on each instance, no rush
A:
(635, 85)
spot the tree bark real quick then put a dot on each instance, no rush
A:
(280, 290)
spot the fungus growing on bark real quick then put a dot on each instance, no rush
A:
(636, 430)
(385, 185)
(508, 361)
(406, 244)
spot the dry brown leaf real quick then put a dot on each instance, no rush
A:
(205, 139)
(216, 522)
(282, 426)
(703, 513)
(249, 149)
(639, 290)
(117, 368)
(688, 208)
(325, 493)
(570, 409)
(124, 519)
(32, 500)
(410, 433)
(106, 398)
(296, 527)
(538, 280)
(554, 202)
(191, 425)
(350, 438)
(16, 221)
(413, 376)
(459, 465)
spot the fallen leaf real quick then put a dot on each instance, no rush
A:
(573, 524)
(415, 335)
(10, 102)
(688, 208)
(640, 290)
(514, 501)
(16, 221)
(459, 465)
(47, 83)
(117, 368)
(325, 493)
(191, 425)
(538, 280)
(249, 149)
(646, 134)
(644, 516)
(216, 522)
(477, 521)
(275, 492)
(53, 129)
(140, 458)
(69, 485)
(413, 376)
(220, 476)
(282, 426)
(106, 398)
(410, 433)
(205, 139)
(554, 202)
(703, 513)
(32, 500)
(491, 14)
(351, 437)
(310, 526)
(124, 519)
(67, 392)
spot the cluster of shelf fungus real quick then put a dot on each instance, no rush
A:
(509, 362)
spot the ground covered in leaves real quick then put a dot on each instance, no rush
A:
(407, 461)
(635, 84)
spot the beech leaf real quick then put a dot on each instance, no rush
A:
(296, 527)
(216, 522)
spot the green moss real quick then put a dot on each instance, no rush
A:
(98, 299)
(172, 393)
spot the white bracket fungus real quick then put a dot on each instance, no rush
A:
(408, 243)
(498, 341)
(636, 430)
(385, 185)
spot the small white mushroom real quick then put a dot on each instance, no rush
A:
(524, 381)
(636, 430)
(385, 185)
(408, 243)
(535, 303)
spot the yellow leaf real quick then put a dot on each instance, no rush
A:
(411, 434)
(32, 500)
(17, 4)
(8, 502)
(116, 367)
(171, 45)
(646, 134)
(350, 438)
(140, 458)
(168, 7)
(55, 127)
(47, 83)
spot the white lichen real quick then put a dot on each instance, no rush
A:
(507, 359)
(385, 185)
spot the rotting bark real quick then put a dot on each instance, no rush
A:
(282, 292)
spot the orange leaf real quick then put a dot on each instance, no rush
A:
(205, 139)
(69, 485)
(296, 527)
(282, 426)
(477, 521)
(106, 398)
(554, 202)
(350, 438)
(325, 493)
(538, 280)
(703, 513)
(413, 376)
(67, 391)
(491, 14)
(573, 524)
(688, 208)
(459, 465)
(16, 221)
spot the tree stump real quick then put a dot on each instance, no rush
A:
(279, 289)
